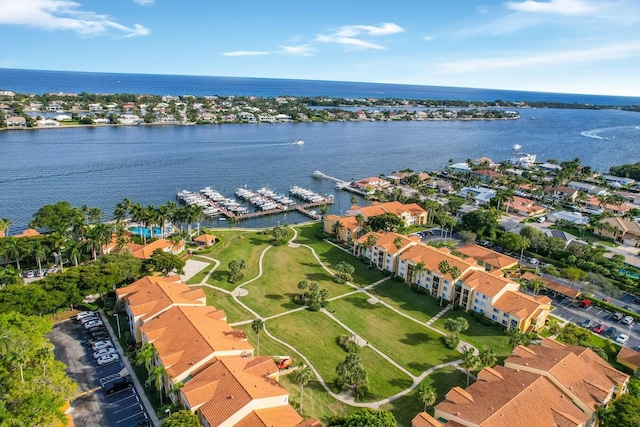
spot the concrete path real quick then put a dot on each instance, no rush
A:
(439, 315)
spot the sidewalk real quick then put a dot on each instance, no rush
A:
(125, 361)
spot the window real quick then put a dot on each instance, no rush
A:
(495, 310)
(504, 322)
(484, 296)
(494, 317)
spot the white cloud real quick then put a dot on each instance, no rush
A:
(144, 2)
(353, 43)
(62, 15)
(246, 53)
(385, 29)
(557, 59)
(427, 38)
(301, 50)
(560, 7)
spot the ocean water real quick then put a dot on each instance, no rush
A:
(101, 166)
(35, 81)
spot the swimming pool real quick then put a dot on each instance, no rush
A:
(628, 273)
(146, 231)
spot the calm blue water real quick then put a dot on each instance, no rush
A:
(101, 166)
(33, 81)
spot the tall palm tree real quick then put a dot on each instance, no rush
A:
(73, 250)
(427, 394)
(14, 248)
(145, 355)
(469, 361)
(360, 219)
(417, 270)
(301, 376)
(139, 215)
(370, 242)
(98, 237)
(4, 226)
(40, 252)
(19, 355)
(443, 267)
(156, 378)
(455, 274)
(162, 213)
(257, 325)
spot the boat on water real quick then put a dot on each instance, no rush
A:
(299, 142)
(516, 147)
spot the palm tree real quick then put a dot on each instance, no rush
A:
(257, 325)
(469, 361)
(370, 242)
(14, 248)
(175, 391)
(139, 215)
(145, 355)
(302, 375)
(4, 226)
(97, 238)
(19, 356)
(455, 273)
(360, 219)
(536, 285)
(233, 221)
(354, 200)
(156, 378)
(73, 250)
(397, 242)
(337, 228)
(443, 267)
(487, 357)
(419, 268)
(427, 394)
(162, 213)
(39, 252)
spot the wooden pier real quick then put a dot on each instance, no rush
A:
(340, 184)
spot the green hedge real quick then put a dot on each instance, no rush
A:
(613, 308)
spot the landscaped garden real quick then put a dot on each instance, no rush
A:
(409, 343)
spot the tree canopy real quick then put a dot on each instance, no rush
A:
(624, 411)
(371, 418)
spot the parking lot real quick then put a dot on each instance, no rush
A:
(577, 314)
(93, 407)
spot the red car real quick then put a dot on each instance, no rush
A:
(598, 328)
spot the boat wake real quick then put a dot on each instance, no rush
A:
(595, 133)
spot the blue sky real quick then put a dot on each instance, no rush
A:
(573, 46)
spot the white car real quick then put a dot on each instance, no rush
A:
(93, 323)
(89, 318)
(102, 344)
(107, 358)
(84, 314)
(622, 338)
(627, 320)
(104, 352)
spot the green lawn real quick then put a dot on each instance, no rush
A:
(399, 295)
(317, 403)
(410, 344)
(480, 336)
(315, 336)
(268, 347)
(406, 407)
(284, 267)
(330, 255)
(235, 312)
(237, 245)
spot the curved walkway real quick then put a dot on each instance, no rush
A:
(344, 397)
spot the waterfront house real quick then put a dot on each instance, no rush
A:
(150, 296)
(47, 123)
(205, 240)
(479, 195)
(461, 168)
(621, 181)
(145, 251)
(240, 391)
(572, 217)
(561, 193)
(129, 119)
(385, 253)
(63, 118)
(486, 175)
(595, 205)
(619, 229)
(411, 214)
(523, 206)
(371, 184)
(16, 122)
(588, 188)
(443, 187)
(523, 160)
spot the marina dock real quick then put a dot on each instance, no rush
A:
(265, 202)
(340, 184)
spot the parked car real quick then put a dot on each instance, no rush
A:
(97, 339)
(117, 385)
(616, 317)
(108, 358)
(627, 320)
(104, 351)
(89, 318)
(629, 308)
(84, 314)
(637, 299)
(598, 329)
(93, 324)
(102, 344)
(610, 332)
(622, 338)
(587, 324)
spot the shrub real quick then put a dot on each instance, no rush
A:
(451, 342)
